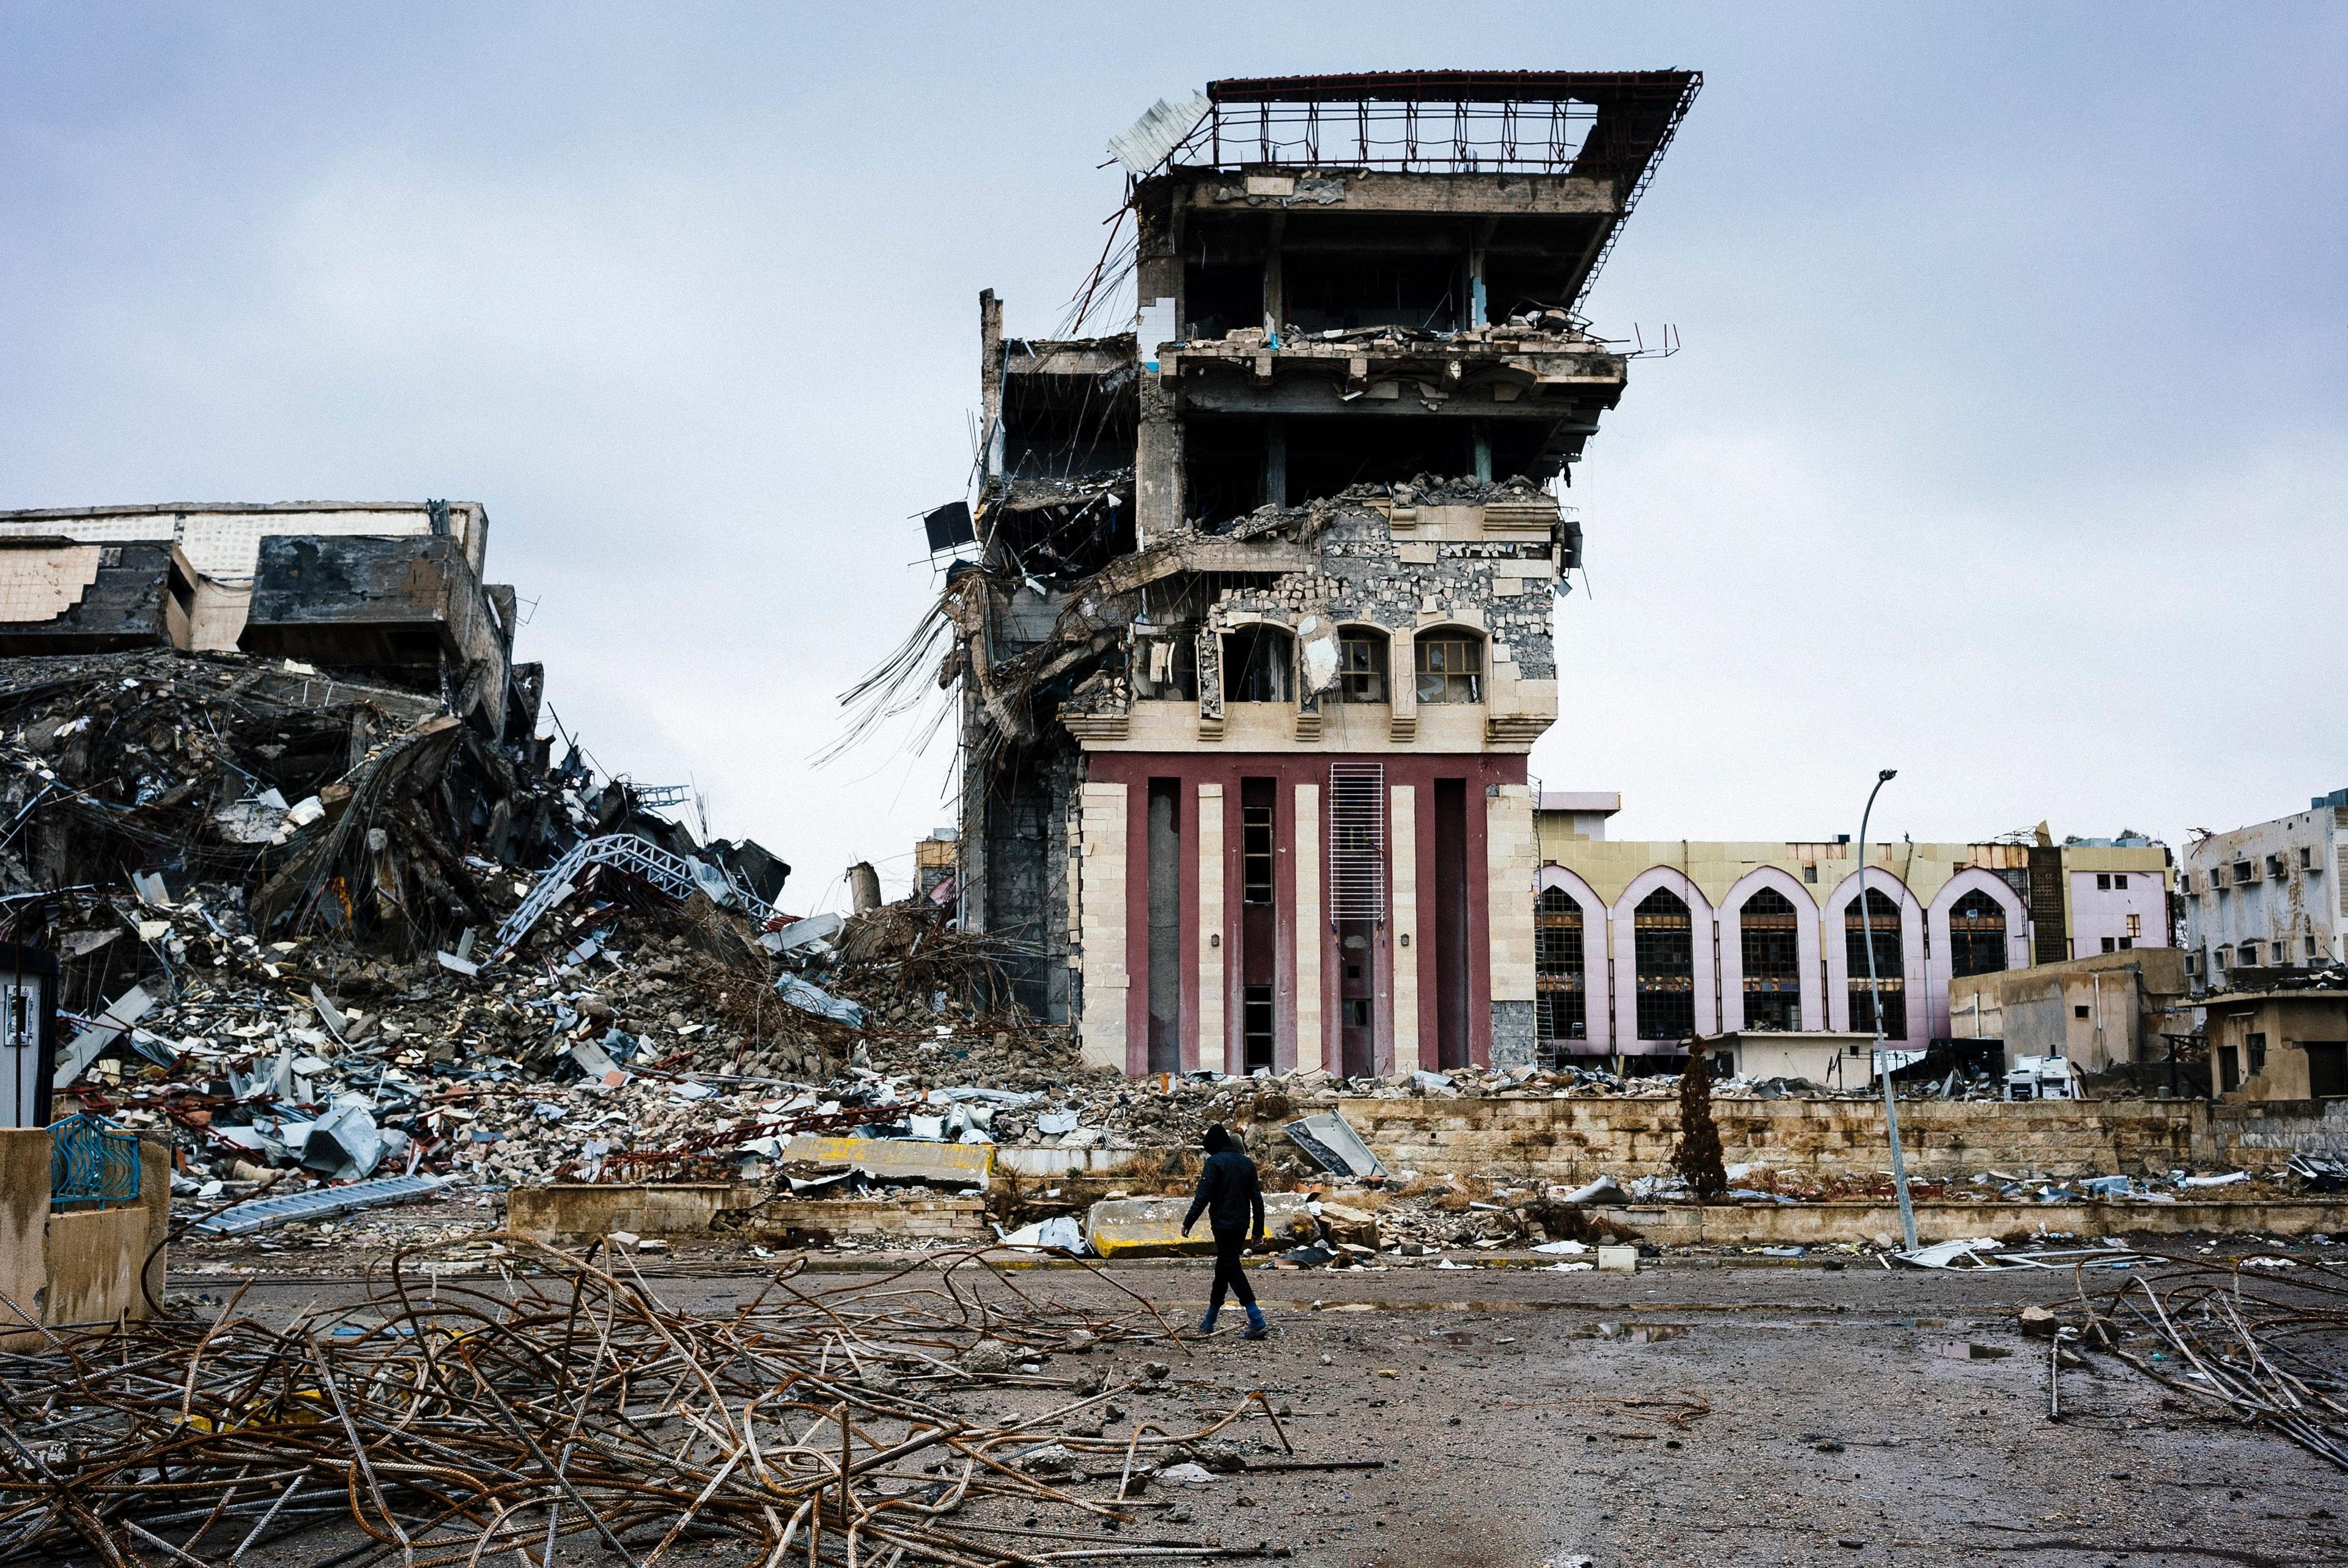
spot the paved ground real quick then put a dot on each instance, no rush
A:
(1692, 1415)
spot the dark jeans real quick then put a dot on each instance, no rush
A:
(1230, 1247)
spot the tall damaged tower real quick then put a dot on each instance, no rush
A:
(1258, 636)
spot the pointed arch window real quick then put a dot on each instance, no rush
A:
(1560, 1002)
(1769, 942)
(1976, 935)
(1882, 922)
(1664, 943)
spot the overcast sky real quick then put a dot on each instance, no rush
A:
(2008, 447)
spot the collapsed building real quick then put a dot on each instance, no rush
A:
(1258, 636)
(392, 594)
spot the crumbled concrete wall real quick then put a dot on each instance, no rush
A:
(1501, 588)
(81, 1265)
(580, 1211)
(24, 1215)
(1018, 823)
(571, 1212)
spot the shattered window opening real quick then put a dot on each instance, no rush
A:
(1361, 664)
(1663, 946)
(1882, 922)
(1256, 1026)
(1257, 661)
(1769, 947)
(1339, 290)
(1976, 935)
(1256, 854)
(1450, 667)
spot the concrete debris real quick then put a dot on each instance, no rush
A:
(1332, 1142)
(1062, 1233)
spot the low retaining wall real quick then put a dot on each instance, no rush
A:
(1575, 1140)
(2269, 1131)
(904, 1219)
(1806, 1225)
(581, 1211)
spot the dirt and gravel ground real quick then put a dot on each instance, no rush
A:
(1688, 1414)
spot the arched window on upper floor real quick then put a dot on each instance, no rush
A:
(1881, 924)
(1259, 664)
(1362, 655)
(1663, 947)
(1450, 665)
(1769, 943)
(1976, 935)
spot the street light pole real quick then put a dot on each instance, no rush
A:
(1875, 990)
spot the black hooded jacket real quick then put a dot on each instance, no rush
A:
(1227, 1193)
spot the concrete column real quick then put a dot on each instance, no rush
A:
(1511, 858)
(1402, 854)
(1100, 878)
(1311, 1034)
(1157, 471)
(1402, 683)
(1213, 1048)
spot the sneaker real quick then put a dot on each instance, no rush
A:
(1206, 1326)
(1257, 1331)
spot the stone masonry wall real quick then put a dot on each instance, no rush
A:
(1577, 1141)
(1366, 577)
(2269, 1132)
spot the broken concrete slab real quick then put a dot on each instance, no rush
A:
(574, 1212)
(1331, 1141)
(120, 1014)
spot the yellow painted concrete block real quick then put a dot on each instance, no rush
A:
(907, 1159)
(1152, 1227)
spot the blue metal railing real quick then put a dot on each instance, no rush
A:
(92, 1160)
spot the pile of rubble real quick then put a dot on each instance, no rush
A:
(308, 923)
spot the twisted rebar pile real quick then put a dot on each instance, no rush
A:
(445, 1423)
(2266, 1351)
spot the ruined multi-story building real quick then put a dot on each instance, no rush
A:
(1260, 634)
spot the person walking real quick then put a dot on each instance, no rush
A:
(1232, 1202)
